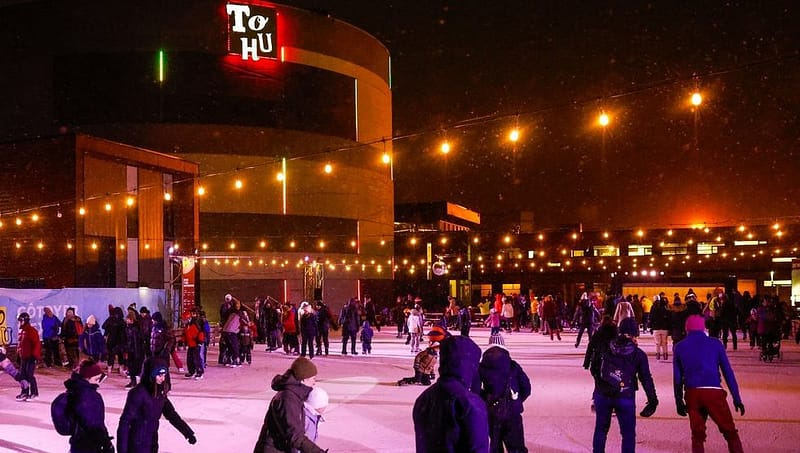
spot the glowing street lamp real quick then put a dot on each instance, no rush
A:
(696, 99)
(603, 120)
(445, 148)
(513, 136)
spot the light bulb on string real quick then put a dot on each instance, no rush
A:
(238, 184)
(328, 168)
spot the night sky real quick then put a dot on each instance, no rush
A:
(468, 71)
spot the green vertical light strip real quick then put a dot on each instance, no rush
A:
(161, 69)
(390, 72)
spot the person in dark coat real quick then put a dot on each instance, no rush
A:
(51, 326)
(505, 387)
(620, 397)
(283, 429)
(146, 403)
(350, 322)
(91, 434)
(114, 329)
(450, 416)
(308, 328)
(91, 341)
(134, 346)
(324, 318)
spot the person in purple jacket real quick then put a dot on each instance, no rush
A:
(696, 370)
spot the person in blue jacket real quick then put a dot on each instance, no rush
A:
(51, 327)
(450, 416)
(505, 388)
(91, 342)
(146, 403)
(698, 389)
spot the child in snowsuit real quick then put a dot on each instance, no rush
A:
(366, 338)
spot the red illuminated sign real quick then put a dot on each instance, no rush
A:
(252, 31)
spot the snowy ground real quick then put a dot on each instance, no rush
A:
(369, 413)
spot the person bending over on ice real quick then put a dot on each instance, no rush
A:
(284, 425)
(11, 370)
(146, 403)
(615, 374)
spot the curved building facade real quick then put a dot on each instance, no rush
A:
(284, 110)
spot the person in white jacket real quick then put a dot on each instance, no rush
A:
(415, 328)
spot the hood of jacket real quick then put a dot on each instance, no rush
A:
(459, 358)
(76, 383)
(495, 368)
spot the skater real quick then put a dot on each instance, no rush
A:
(144, 406)
(283, 429)
(424, 366)
(449, 415)
(505, 387)
(366, 338)
(696, 368)
(51, 326)
(88, 409)
(29, 350)
(616, 373)
(349, 320)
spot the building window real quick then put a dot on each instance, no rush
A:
(709, 248)
(510, 288)
(605, 250)
(576, 253)
(640, 250)
(674, 249)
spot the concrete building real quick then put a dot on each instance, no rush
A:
(247, 91)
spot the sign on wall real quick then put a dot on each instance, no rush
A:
(252, 31)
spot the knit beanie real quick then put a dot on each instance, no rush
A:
(302, 368)
(317, 398)
(695, 322)
(91, 320)
(159, 370)
(89, 369)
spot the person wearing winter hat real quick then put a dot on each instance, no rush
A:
(313, 409)
(91, 342)
(696, 368)
(283, 428)
(505, 386)
(88, 408)
(621, 364)
(29, 351)
(450, 415)
(144, 406)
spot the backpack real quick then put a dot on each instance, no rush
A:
(61, 412)
(500, 407)
(618, 371)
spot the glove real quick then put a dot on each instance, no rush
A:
(649, 409)
(681, 406)
(739, 407)
(192, 440)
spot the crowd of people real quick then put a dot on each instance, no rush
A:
(489, 388)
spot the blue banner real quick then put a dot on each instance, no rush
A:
(86, 301)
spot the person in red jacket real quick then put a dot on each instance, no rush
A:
(30, 350)
(194, 336)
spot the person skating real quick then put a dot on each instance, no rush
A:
(30, 351)
(505, 387)
(12, 371)
(616, 373)
(696, 369)
(145, 405)
(283, 429)
(449, 416)
(87, 406)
